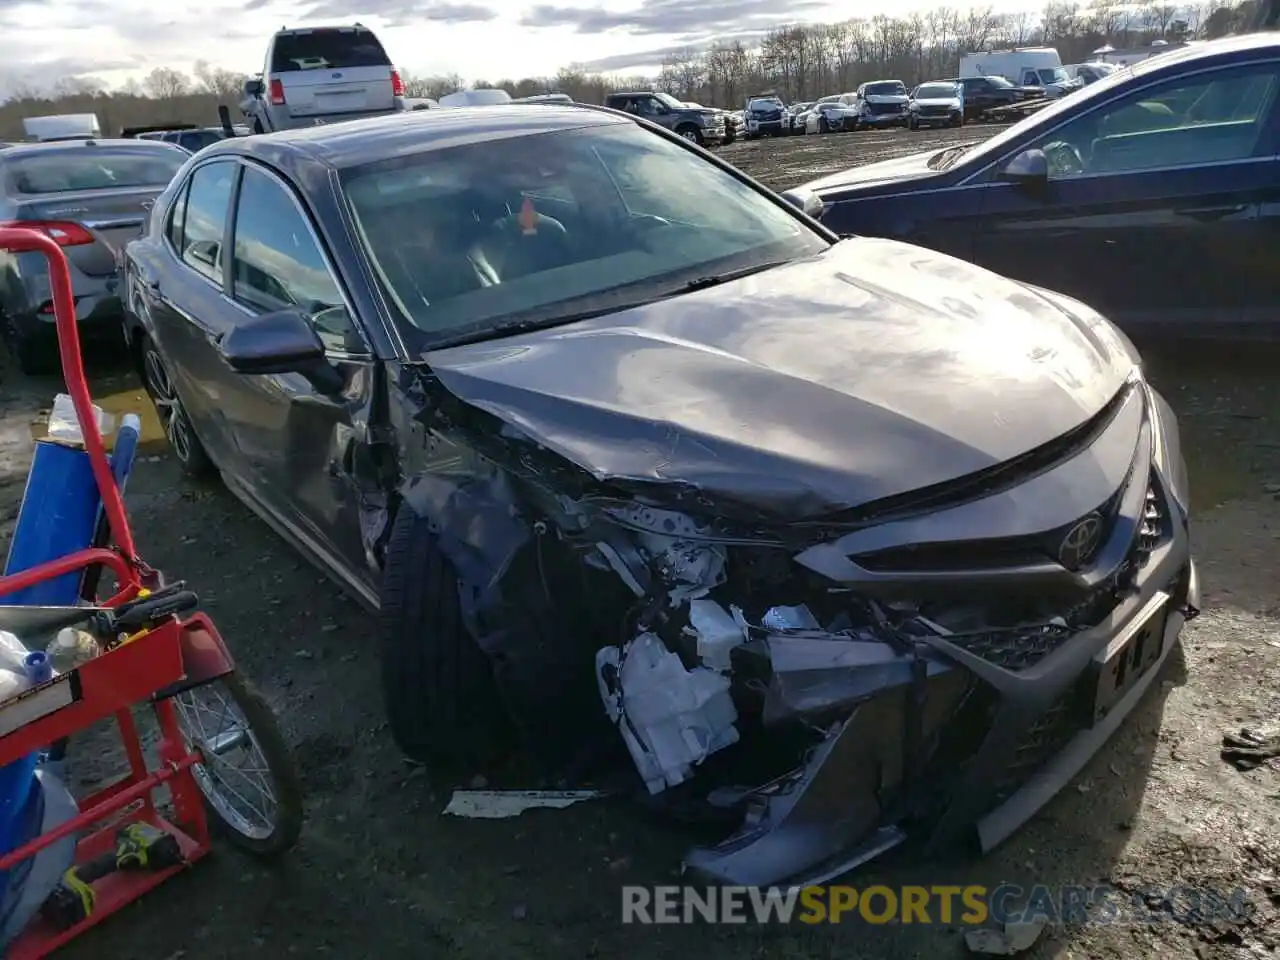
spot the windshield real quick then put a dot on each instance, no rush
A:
(1053, 75)
(890, 88)
(92, 168)
(1000, 82)
(667, 100)
(936, 91)
(537, 229)
(765, 103)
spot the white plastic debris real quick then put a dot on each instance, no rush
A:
(64, 425)
(1014, 939)
(789, 618)
(671, 719)
(501, 804)
(717, 633)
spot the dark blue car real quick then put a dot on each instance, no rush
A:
(1154, 194)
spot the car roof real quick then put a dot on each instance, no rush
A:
(62, 146)
(357, 142)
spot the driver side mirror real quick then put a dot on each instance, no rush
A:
(280, 342)
(806, 201)
(254, 87)
(1030, 168)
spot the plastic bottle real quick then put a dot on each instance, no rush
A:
(72, 648)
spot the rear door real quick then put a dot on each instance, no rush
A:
(331, 70)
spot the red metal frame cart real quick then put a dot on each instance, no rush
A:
(167, 659)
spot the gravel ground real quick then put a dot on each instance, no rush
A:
(379, 871)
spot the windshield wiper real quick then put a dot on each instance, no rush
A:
(505, 328)
(715, 279)
(945, 159)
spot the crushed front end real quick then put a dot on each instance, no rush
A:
(931, 669)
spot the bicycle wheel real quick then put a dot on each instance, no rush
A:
(248, 778)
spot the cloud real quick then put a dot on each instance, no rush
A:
(44, 74)
(654, 57)
(400, 12)
(665, 17)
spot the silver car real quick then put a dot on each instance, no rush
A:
(319, 75)
(91, 197)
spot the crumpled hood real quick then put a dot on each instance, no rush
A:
(871, 370)
(900, 168)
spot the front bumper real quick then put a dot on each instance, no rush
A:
(882, 119)
(1030, 720)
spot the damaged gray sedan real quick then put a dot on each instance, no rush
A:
(846, 541)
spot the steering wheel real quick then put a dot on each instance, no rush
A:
(1064, 159)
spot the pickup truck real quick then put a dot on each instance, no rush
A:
(702, 125)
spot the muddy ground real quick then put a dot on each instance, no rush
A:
(380, 872)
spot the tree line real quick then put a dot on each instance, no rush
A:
(800, 62)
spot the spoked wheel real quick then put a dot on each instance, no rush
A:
(177, 427)
(248, 778)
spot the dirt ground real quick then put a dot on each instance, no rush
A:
(380, 872)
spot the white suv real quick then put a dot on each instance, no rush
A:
(321, 75)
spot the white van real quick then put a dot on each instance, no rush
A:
(1023, 67)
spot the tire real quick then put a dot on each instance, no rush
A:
(257, 126)
(439, 691)
(913, 124)
(691, 133)
(823, 126)
(264, 732)
(956, 122)
(179, 431)
(34, 355)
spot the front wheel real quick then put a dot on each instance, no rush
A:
(913, 124)
(247, 776)
(824, 126)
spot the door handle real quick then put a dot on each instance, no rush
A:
(1209, 214)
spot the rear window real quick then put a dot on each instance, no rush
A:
(91, 168)
(327, 50)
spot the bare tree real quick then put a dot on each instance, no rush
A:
(221, 83)
(165, 83)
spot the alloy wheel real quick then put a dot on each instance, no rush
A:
(177, 428)
(691, 135)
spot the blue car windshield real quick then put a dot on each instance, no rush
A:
(536, 229)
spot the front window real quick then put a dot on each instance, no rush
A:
(894, 88)
(998, 82)
(472, 241)
(1054, 75)
(93, 168)
(668, 101)
(937, 91)
(1206, 119)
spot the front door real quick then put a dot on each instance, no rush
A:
(302, 436)
(1152, 203)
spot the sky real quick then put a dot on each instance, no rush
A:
(115, 40)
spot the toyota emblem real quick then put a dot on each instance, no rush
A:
(1080, 543)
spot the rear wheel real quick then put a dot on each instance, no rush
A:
(441, 698)
(184, 443)
(35, 354)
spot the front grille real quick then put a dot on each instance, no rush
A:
(1020, 648)
(933, 111)
(880, 109)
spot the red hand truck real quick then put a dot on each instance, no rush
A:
(172, 664)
